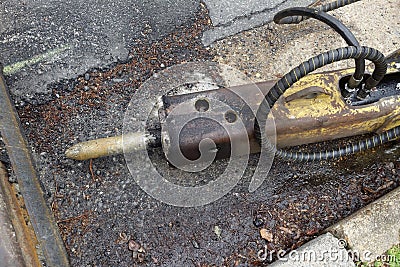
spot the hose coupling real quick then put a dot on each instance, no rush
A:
(353, 82)
(371, 83)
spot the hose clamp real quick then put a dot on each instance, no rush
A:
(353, 82)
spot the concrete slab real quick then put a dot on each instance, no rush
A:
(270, 51)
(231, 17)
(374, 229)
(323, 251)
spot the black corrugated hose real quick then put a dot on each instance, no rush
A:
(294, 19)
(302, 70)
(354, 51)
(292, 13)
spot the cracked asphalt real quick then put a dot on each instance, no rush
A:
(83, 34)
(43, 42)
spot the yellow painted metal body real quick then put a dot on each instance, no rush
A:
(313, 110)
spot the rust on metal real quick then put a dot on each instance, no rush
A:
(107, 146)
(313, 110)
(200, 128)
(42, 219)
(24, 233)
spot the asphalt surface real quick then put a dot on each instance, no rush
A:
(43, 42)
(70, 37)
(104, 218)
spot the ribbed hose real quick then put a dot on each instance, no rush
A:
(294, 19)
(302, 70)
(335, 24)
(369, 143)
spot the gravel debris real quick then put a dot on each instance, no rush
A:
(94, 202)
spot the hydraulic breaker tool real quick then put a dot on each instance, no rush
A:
(313, 110)
(306, 108)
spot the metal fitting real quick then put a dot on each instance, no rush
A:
(353, 82)
(363, 93)
(371, 83)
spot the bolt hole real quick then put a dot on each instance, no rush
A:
(202, 105)
(230, 116)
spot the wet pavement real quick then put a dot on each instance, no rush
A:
(105, 219)
(70, 37)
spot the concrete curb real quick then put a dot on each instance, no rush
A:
(323, 251)
(363, 236)
(374, 229)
